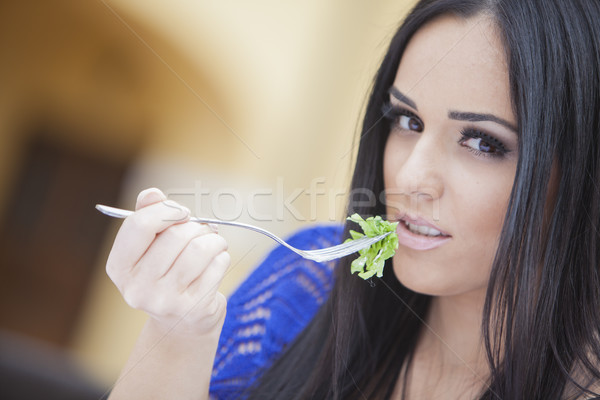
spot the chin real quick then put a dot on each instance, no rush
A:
(437, 285)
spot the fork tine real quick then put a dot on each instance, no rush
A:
(347, 246)
(341, 250)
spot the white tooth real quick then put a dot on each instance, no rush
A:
(423, 230)
(434, 232)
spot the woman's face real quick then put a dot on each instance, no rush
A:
(451, 156)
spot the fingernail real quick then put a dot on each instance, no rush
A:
(214, 227)
(173, 204)
(155, 193)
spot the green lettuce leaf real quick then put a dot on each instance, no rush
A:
(371, 260)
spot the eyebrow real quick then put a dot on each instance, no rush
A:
(456, 115)
(402, 97)
(476, 117)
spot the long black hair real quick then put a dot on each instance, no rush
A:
(542, 311)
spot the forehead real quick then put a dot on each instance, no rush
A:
(459, 64)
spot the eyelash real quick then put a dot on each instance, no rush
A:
(393, 113)
(470, 133)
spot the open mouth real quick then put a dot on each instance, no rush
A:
(419, 234)
(423, 229)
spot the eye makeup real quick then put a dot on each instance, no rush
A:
(475, 140)
(492, 143)
(395, 114)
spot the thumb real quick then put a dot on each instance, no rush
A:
(148, 197)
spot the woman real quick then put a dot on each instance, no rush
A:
(482, 134)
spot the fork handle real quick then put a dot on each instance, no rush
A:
(120, 213)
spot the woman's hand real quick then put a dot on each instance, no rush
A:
(170, 267)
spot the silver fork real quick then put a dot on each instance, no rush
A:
(319, 255)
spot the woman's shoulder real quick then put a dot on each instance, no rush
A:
(284, 268)
(271, 307)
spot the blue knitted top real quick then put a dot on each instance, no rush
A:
(269, 309)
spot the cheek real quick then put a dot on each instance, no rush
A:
(389, 164)
(482, 203)
(478, 215)
(392, 162)
(473, 208)
(394, 156)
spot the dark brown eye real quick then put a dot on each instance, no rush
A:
(479, 144)
(486, 147)
(482, 144)
(410, 122)
(402, 118)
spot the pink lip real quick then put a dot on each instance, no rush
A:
(416, 241)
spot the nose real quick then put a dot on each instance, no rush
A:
(419, 175)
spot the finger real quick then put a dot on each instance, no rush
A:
(139, 231)
(194, 259)
(148, 197)
(202, 297)
(167, 247)
(207, 284)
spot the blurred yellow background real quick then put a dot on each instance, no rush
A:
(240, 110)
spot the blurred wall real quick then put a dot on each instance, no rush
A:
(240, 110)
